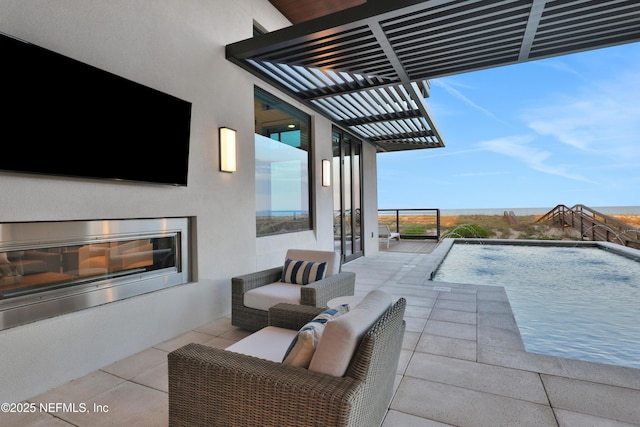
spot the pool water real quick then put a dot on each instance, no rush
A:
(575, 302)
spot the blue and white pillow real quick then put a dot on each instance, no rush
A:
(304, 344)
(303, 272)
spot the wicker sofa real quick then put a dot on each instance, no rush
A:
(215, 387)
(266, 289)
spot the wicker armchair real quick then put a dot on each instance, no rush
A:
(316, 294)
(216, 387)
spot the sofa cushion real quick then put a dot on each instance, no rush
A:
(264, 297)
(303, 272)
(342, 336)
(304, 344)
(268, 343)
(330, 257)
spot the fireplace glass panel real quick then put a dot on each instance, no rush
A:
(36, 270)
(52, 268)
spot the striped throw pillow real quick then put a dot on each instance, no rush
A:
(304, 344)
(303, 272)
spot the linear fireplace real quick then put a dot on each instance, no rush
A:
(52, 268)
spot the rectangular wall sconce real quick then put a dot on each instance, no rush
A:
(326, 173)
(227, 150)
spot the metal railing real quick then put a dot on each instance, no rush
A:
(594, 225)
(412, 223)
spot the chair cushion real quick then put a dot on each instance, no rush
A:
(330, 257)
(303, 272)
(268, 343)
(342, 336)
(304, 344)
(264, 297)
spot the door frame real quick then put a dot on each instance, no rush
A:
(349, 241)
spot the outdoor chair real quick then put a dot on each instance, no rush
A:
(242, 385)
(385, 234)
(253, 294)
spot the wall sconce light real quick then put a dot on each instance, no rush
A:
(227, 150)
(326, 173)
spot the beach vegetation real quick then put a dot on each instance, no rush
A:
(414, 230)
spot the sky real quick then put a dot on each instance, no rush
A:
(562, 130)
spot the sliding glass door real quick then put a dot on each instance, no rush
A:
(347, 194)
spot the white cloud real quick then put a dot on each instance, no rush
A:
(519, 148)
(444, 152)
(456, 93)
(602, 119)
(559, 65)
(476, 174)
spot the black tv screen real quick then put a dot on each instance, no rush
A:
(64, 117)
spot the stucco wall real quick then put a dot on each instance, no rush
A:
(176, 46)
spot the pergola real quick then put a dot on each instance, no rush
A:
(367, 67)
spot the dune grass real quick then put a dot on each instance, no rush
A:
(496, 226)
(524, 227)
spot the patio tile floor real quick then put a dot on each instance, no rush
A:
(462, 364)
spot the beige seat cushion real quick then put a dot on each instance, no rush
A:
(342, 335)
(268, 343)
(264, 297)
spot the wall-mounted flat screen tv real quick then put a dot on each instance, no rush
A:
(63, 117)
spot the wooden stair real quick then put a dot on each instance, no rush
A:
(594, 225)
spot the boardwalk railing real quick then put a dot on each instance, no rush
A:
(412, 223)
(594, 225)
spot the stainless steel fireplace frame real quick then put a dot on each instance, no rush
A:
(95, 291)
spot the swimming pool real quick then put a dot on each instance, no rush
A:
(580, 302)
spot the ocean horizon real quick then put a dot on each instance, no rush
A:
(607, 210)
